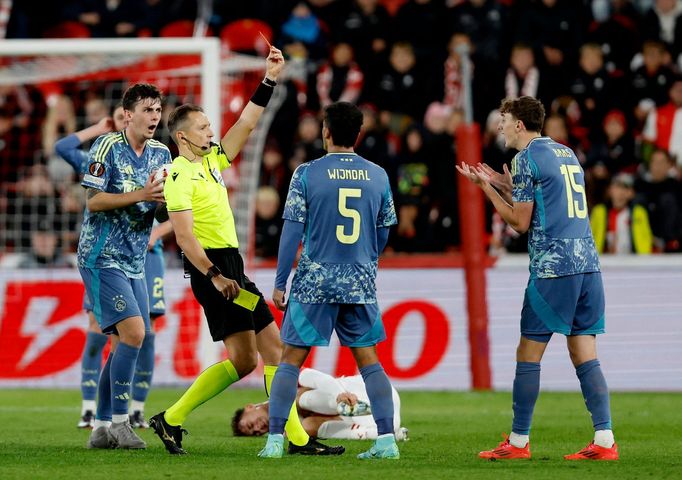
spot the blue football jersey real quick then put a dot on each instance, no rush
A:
(560, 240)
(342, 199)
(118, 238)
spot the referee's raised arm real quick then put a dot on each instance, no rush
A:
(235, 138)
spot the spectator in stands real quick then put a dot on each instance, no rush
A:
(523, 76)
(486, 22)
(372, 143)
(616, 31)
(621, 226)
(402, 89)
(59, 122)
(453, 90)
(366, 28)
(22, 112)
(412, 195)
(439, 149)
(303, 26)
(309, 145)
(663, 23)
(555, 30)
(273, 171)
(660, 191)
(45, 250)
(421, 23)
(268, 222)
(34, 199)
(663, 127)
(340, 79)
(612, 154)
(592, 87)
(650, 82)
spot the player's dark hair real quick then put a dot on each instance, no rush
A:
(235, 423)
(343, 120)
(138, 92)
(527, 109)
(178, 116)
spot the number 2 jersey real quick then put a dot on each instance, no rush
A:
(118, 238)
(342, 199)
(560, 240)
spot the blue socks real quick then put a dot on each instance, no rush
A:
(144, 369)
(282, 396)
(122, 370)
(595, 393)
(524, 395)
(380, 396)
(91, 364)
(104, 392)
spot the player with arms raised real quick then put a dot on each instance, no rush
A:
(565, 293)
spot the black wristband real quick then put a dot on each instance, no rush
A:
(262, 95)
(271, 83)
(213, 271)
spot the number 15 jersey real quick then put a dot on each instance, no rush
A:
(560, 240)
(342, 199)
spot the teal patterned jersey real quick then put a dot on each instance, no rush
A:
(560, 240)
(118, 238)
(342, 199)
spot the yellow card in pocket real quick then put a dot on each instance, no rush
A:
(247, 299)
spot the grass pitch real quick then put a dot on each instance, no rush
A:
(39, 439)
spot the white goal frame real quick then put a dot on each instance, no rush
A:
(207, 48)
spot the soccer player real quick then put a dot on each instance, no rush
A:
(204, 227)
(565, 293)
(342, 207)
(91, 361)
(329, 407)
(121, 198)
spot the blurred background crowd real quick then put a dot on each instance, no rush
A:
(609, 73)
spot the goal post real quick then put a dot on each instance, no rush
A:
(194, 70)
(207, 48)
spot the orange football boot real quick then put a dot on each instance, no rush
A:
(595, 452)
(506, 451)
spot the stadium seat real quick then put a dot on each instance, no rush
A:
(67, 30)
(180, 28)
(243, 36)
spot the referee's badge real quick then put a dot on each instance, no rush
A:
(217, 176)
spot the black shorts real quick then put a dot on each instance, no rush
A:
(224, 317)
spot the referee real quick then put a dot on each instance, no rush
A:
(204, 227)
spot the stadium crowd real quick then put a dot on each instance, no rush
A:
(609, 74)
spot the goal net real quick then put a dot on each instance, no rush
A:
(61, 86)
(51, 88)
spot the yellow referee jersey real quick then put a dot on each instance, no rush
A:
(199, 187)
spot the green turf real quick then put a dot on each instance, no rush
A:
(38, 439)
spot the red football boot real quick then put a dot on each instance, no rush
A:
(506, 451)
(595, 452)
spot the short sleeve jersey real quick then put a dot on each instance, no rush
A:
(560, 240)
(199, 187)
(118, 238)
(342, 199)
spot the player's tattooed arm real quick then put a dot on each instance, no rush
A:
(90, 193)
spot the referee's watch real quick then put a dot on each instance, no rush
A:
(213, 271)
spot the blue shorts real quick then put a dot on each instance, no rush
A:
(153, 274)
(571, 305)
(311, 324)
(87, 304)
(115, 297)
